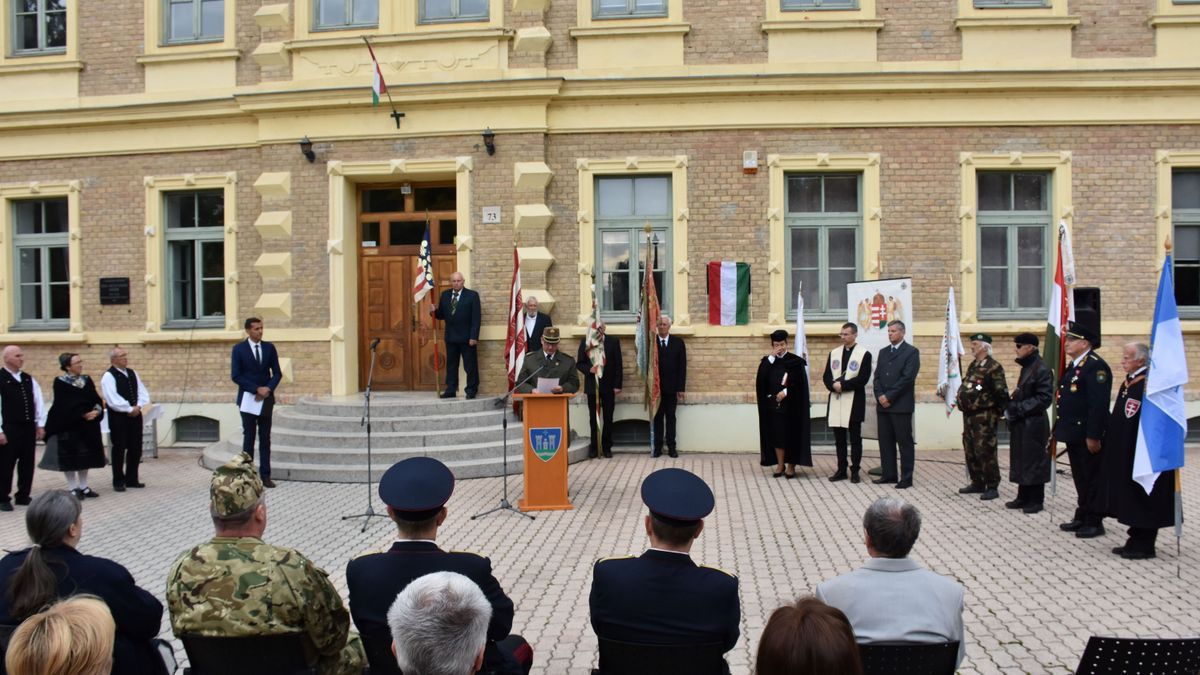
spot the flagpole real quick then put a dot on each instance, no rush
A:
(395, 115)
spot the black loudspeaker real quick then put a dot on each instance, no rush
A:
(1087, 309)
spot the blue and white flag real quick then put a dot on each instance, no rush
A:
(1164, 423)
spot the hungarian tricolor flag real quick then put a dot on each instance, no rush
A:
(514, 342)
(378, 85)
(728, 293)
(1062, 310)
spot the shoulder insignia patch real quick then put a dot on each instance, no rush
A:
(718, 569)
(1101, 376)
(614, 557)
(477, 555)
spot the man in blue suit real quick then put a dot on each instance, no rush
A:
(459, 309)
(662, 597)
(896, 369)
(255, 369)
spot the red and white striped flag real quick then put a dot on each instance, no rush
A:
(514, 342)
(424, 281)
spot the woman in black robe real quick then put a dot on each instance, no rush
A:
(1118, 494)
(73, 440)
(783, 415)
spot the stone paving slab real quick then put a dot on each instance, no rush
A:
(1034, 594)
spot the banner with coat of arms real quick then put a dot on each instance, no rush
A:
(871, 305)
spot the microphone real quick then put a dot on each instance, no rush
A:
(375, 343)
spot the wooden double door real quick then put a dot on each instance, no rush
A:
(391, 224)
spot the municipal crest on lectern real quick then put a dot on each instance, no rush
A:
(545, 442)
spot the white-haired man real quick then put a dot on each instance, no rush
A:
(536, 321)
(982, 399)
(439, 625)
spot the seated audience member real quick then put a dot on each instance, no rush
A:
(416, 491)
(72, 637)
(891, 598)
(661, 597)
(439, 625)
(808, 638)
(54, 568)
(236, 585)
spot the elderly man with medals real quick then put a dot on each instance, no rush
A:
(847, 372)
(982, 400)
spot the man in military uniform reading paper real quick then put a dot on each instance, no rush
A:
(1083, 393)
(236, 585)
(982, 399)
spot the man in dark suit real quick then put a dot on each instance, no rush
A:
(416, 491)
(255, 369)
(535, 323)
(896, 370)
(1083, 394)
(459, 309)
(610, 386)
(662, 597)
(672, 371)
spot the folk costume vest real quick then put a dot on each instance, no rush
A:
(126, 386)
(841, 405)
(16, 399)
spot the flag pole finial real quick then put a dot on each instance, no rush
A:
(1167, 243)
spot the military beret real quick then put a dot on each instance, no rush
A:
(677, 495)
(1026, 339)
(416, 488)
(982, 337)
(550, 335)
(236, 486)
(1081, 331)
(779, 336)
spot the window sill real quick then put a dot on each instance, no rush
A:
(1176, 19)
(619, 31)
(873, 25)
(1017, 22)
(13, 65)
(452, 33)
(187, 333)
(205, 55)
(41, 335)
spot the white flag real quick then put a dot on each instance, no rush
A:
(949, 367)
(801, 337)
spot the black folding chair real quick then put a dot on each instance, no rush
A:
(285, 654)
(630, 658)
(6, 631)
(909, 658)
(1105, 655)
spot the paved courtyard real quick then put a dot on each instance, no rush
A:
(1034, 594)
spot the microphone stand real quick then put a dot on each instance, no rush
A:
(366, 421)
(502, 403)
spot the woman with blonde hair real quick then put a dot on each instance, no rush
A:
(72, 637)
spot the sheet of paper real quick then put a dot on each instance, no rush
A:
(546, 385)
(151, 412)
(250, 404)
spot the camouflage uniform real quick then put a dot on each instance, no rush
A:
(982, 399)
(240, 586)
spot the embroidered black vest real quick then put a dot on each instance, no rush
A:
(126, 386)
(16, 399)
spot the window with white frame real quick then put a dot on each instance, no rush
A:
(624, 204)
(40, 255)
(193, 21)
(822, 239)
(441, 11)
(1185, 220)
(195, 260)
(807, 5)
(1014, 233)
(1003, 4)
(628, 9)
(335, 14)
(39, 27)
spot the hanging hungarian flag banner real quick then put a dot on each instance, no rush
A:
(728, 293)
(514, 342)
(378, 85)
(1062, 310)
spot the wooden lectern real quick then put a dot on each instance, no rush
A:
(546, 439)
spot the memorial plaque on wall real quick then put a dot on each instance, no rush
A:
(114, 291)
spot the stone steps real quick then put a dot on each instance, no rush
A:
(322, 439)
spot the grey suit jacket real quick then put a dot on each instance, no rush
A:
(897, 600)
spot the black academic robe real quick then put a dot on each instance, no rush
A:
(1118, 495)
(769, 381)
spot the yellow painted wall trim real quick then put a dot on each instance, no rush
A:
(1165, 7)
(584, 19)
(344, 178)
(197, 55)
(775, 12)
(273, 16)
(873, 25)
(587, 170)
(1175, 20)
(39, 66)
(1061, 209)
(155, 34)
(1165, 162)
(338, 40)
(1016, 22)
(967, 8)
(778, 166)
(42, 190)
(598, 31)
(156, 267)
(394, 18)
(70, 54)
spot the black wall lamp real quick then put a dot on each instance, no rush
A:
(307, 151)
(489, 140)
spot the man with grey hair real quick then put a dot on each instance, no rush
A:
(892, 598)
(535, 323)
(126, 395)
(896, 369)
(439, 625)
(982, 399)
(22, 425)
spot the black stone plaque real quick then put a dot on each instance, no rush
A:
(114, 291)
